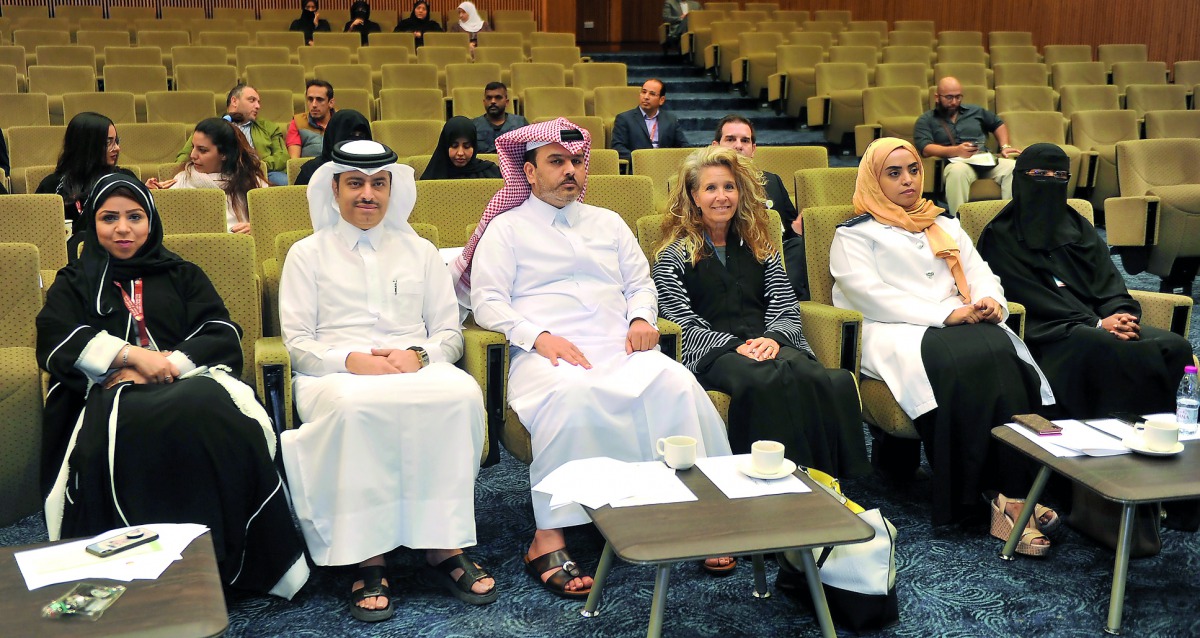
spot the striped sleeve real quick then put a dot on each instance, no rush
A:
(699, 339)
(783, 311)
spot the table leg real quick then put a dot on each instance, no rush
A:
(591, 608)
(760, 577)
(1116, 601)
(659, 603)
(820, 606)
(1035, 493)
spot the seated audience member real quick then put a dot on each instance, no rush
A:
(264, 136)
(469, 22)
(721, 279)
(675, 14)
(306, 130)
(495, 121)
(220, 158)
(345, 125)
(309, 21)
(956, 130)
(360, 21)
(454, 157)
(1081, 325)
(138, 343)
(90, 150)
(418, 22)
(933, 330)
(647, 125)
(369, 318)
(569, 287)
(737, 132)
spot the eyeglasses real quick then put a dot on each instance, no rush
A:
(957, 97)
(1041, 172)
(113, 142)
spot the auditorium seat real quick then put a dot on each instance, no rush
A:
(1056, 53)
(1164, 124)
(408, 137)
(1020, 74)
(795, 80)
(191, 210)
(412, 104)
(1096, 133)
(184, 107)
(138, 80)
(117, 106)
(409, 76)
(837, 104)
(54, 81)
(1083, 97)
(960, 39)
(888, 112)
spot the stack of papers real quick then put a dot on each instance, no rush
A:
(724, 473)
(983, 158)
(601, 481)
(1101, 438)
(68, 562)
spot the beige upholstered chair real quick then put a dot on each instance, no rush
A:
(20, 383)
(795, 79)
(191, 210)
(837, 104)
(1096, 133)
(37, 220)
(453, 205)
(31, 146)
(408, 137)
(1159, 207)
(1163, 124)
(630, 196)
(412, 104)
(888, 112)
(660, 165)
(832, 186)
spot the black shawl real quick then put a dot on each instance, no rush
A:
(413, 24)
(440, 166)
(1048, 257)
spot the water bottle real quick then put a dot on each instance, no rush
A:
(1187, 401)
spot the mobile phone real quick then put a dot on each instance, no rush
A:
(1038, 424)
(1127, 417)
(121, 542)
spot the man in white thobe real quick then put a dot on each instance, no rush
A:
(569, 286)
(392, 431)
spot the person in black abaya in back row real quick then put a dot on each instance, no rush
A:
(1082, 326)
(344, 125)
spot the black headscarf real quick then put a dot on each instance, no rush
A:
(440, 166)
(1048, 256)
(413, 23)
(344, 124)
(95, 269)
(360, 9)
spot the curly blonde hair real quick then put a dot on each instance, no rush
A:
(683, 220)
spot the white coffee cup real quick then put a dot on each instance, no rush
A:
(766, 456)
(678, 451)
(1161, 436)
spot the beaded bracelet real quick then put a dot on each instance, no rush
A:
(125, 356)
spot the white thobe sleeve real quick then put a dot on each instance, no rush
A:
(298, 318)
(855, 267)
(640, 295)
(440, 312)
(981, 279)
(493, 274)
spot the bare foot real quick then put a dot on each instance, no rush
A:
(546, 541)
(718, 562)
(376, 602)
(435, 556)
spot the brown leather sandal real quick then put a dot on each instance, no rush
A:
(557, 582)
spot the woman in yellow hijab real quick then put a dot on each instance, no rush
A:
(933, 331)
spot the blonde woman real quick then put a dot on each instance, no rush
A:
(721, 278)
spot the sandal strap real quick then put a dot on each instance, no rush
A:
(372, 577)
(471, 573)
(558, 558)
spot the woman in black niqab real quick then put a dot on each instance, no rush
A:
(344, 124)
(459, 130)
(1082, 326)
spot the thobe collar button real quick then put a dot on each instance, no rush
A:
(929, 274)
(920, 244)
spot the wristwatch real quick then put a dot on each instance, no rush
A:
(1004, 146)
(422, 356)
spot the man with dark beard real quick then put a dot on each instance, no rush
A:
(495, 121)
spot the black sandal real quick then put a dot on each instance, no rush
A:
(557, 583)
(440, 574)
(372, 578)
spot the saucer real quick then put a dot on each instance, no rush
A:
(785, 469)
(1137, 444)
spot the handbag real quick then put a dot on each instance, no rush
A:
(859, 580)
(1100, 519)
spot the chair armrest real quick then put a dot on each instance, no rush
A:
(776, 87)
(1088, 162)
(273, 378)
(485, 358)
(670, 339)
(1165, 310)
(739, 71)
(687, 43)
(712, 56)
(817, 110)
(47, 281)
(1131, 221)
(834, 334)
(864, 134)
(662, 33)
(270, 297)
(1016, 319)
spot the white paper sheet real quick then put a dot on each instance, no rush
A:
(983, 158)
(68, 562)
(1076, 439)
(723, 472)
(601, 481)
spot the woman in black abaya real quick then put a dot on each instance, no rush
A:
(454, 157)
(1081, 325)
(145, 420)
